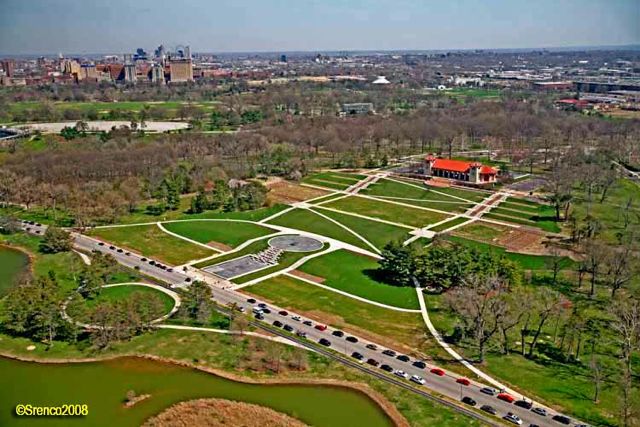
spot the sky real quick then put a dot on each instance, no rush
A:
(118, 26)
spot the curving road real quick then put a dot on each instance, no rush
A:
(445, 385)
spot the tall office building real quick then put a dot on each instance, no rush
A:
(157, 74)
(180, 70)
(130, 73)
(8, 66)
(187, 52)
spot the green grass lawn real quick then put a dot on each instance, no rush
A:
(451, 223)
(303, 219)
(378, 233)
(387, 211)
(335, 180)
(355, 274)
(152, 242)
(385, 187)
(527, 262)
(508, 216)
(225, 232)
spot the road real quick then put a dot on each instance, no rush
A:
(444, 385)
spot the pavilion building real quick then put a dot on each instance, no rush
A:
(459, 170)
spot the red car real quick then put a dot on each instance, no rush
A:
(321, 327)
(283, 313)
(439, 372)
(463, 381)
(506, 397)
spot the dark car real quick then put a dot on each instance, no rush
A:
(283, 313)
(562, 419)
(288, 328)
(489, 409)
(403, 358)
(373, 362)
(127, 253)
(325, 342)
(338, 334)
(261, 305)
(386, 368)
(259, 316)
(419, 364)
(143, 259)
(170, 270)
(488, 390)
(188, 279)
(389, 353)
(523, 404)
(277, 324)
(351, 339)
(100, 244)
(112, 247)
(251, 301)
(308, 323)
(469, 401)
(152, 262)
(120, 251)
(357, 355)
(266, 310)
(372, 347)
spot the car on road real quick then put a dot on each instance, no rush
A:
(463, 381)
(100, 243)
(418, 379)
(283, 313)
(513, 418)
(469, 401)
(439, 372)
(152, 262)
(325, 342)
(540, 411)
(351, 339)
(337, 333)
(386, 368)
(288, 328)
(403, 358)
(259, 316)
(301, 334)
(489, 409)
(241, 309)
(357, 355)
(372, 347)
(143, 259)
(401, 373)
(261, 305)
(277, 324)
(373, 362)
(256, 310)
(506, 397)
(251, 301)
(562, 419)
(266, 310)
(188, 279)
(295, 318)
(120, 251)
(523, 403)
(389, 353)
(308, 323)
(321, 327)
(488, 390)
(419, 364)
(112, 247)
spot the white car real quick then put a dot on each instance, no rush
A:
(296, 318)
(513, 418)
(418, 379)
(401, 374)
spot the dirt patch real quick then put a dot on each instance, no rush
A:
(522, 240)
(311, 277)
(220, 412)
(136, 400)
(281, 191)
(221, 246)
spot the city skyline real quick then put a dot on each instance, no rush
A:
(285, 25)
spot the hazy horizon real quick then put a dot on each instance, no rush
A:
(252, 26)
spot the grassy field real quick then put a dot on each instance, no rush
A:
(505, 215)
(355, 274)
(451, 223)
(334, 180)
(226, 232)
(235, 355)
(387, 211)
(527, 262)
(388, 188)
(302, 219)
(378, 233)
(152, 242)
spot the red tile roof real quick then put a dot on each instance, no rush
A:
(460, 166)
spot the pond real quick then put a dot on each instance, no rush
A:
(12, 263)
(104, 385)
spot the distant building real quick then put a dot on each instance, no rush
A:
(180, 70)
(157, 74)
(140, 55)
(459, 170)
(283, 58)
(381, 80)
(8, 66)
(130, 73)
(549, 86)
(357, 108)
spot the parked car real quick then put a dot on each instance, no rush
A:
(143, 259)
(352, 339)
(419, 364)
(403, 358)
(337, 333)
(506, 397)
(295, 318)
(489, 409)
(357, 355)
(469, 401)
(321, 327)
(372, 347)
(562, 419)
(283, 313)
(99, 243)
(463, 381)
(386, 368)
(261, 305)
(325, 342)
(266, 310)
(389, 353)
(277, 324)
(120, 251)
(251, 301)
(513, 418)
(288, 328)
(540, 411)
(439, 372)
(308, 323)
(488, 390)
(523, 403)
(373, 362)
(418, 379)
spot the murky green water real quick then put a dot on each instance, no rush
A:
(103, 386)
(12, 263)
